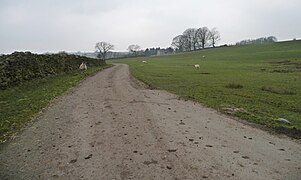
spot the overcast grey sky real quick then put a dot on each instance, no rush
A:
(76, 25)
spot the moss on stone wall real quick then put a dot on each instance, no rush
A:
(23, 66)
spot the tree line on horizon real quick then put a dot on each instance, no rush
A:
(135, 50)
(190, 40)
(262, 40)
(194, 39)
(103, 51)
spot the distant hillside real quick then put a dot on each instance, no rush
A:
(110, 55)
(86, 54)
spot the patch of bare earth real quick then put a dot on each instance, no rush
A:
(106, 128)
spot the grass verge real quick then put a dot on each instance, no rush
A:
(19, 104)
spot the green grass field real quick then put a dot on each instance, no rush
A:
(19, 104)
(258, 83)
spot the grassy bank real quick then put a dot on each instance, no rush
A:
(19, 104)
(258, 83)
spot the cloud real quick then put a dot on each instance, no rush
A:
(76, 25)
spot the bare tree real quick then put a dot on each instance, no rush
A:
(178, 43)
(203, 36)
(134, 48)
(102, 48)
(214, 37)
(186, 43)
(191, 34)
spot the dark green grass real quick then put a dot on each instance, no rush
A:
(19, 104)
(264, 80)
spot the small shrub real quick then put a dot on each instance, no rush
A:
(234, 86)
(277, 90)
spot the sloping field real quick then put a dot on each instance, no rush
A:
(258, 83)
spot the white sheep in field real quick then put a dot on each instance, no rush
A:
(204, 56)
(145, 62)
(197, 66)
(83, 66)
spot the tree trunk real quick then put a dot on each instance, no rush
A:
(104, 56)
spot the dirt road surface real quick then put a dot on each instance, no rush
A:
(108, 127)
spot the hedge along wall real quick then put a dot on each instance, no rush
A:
(23, 66)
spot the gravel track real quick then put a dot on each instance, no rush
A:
(111, 127)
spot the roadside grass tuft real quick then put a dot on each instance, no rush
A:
(234, 86)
